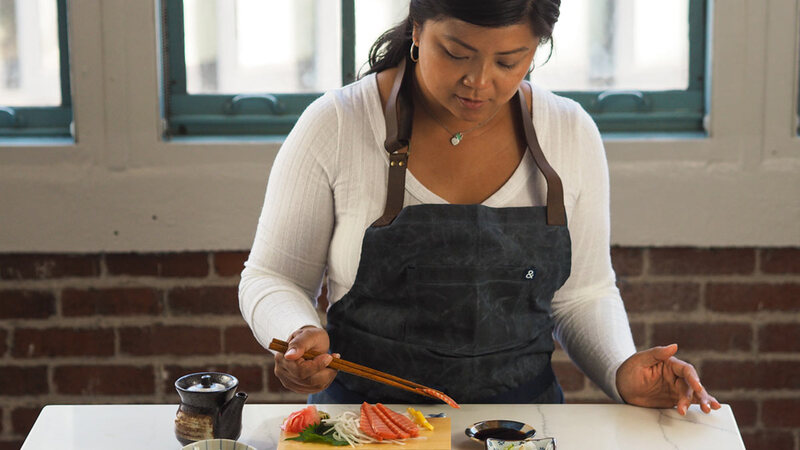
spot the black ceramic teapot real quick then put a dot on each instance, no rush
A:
(210, 407)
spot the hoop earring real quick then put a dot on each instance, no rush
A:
(533, 66)
(411, 52)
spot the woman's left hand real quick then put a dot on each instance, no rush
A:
(654, 378)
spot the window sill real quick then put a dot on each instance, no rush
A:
(32, 141)
(631, 136)
(222, 139)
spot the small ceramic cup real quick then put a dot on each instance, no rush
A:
(525, 444)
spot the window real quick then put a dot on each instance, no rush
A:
(227, 73)
(34, 70)
(635, 65)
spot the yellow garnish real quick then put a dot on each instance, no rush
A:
(419, 418)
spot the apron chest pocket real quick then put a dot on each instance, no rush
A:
(473, 310)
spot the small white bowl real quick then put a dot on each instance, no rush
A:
(217, 444)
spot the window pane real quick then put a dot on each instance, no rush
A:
(599, 44)
(373, 17)
(246, 46)
(618, 44)
(29, 53)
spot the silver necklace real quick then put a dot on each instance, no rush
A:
(455, 138)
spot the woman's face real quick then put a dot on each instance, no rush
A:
(470, 71)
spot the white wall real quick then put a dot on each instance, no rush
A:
(120, 188)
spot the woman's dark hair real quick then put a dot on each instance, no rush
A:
(393, 45)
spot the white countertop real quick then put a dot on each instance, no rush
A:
(137, 427)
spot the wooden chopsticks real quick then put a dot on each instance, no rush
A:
(371, 374)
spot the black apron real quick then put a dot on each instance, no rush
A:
(455, 297)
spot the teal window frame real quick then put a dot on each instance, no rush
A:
(44, 121)
(674, 111)
(273, 114)
(264, 114)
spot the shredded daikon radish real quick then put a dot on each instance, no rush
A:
(345, 428)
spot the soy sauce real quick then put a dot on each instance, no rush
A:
(506, 434)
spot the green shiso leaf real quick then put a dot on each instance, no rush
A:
(318, 433)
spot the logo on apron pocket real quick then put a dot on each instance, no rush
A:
(530, 273)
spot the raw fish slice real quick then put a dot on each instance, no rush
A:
(395, 429)
(379, 426)
(365, 424)
(441, 396)
(400, 420)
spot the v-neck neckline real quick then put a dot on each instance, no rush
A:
(499, 198)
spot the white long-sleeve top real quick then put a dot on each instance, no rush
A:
(328, 184)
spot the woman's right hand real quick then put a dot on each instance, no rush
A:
(305, 376)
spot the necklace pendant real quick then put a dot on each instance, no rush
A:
(456, 139)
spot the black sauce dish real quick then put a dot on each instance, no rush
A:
(507, 430)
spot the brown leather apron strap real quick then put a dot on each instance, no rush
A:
(395, 193)
(398, 115)
(556, 214)
(399, 111)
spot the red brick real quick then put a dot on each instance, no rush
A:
(188, 264)
(768, 440)
(639, 332)
(110, 302)
(763, 375)
(659, 296)
(18, 304)
(779, 337)
(751, 297)
(3, 342)
(745, 411)
(22, 419)
(569, 377)
(704, 336)
(204, 300)
(702, 261)
(627, 261)
(170, 340)
(33, 343)
(241, 340)
(43, 266)
(273, 382)
(780, 375)
(783, 412)
(229, 263)
(727, 375)
(104, 380)
(23, 380)
(251, 378)
(780, 260)
(12, 444)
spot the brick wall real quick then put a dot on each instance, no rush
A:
(120, 328)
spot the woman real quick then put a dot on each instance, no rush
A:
(439, 209)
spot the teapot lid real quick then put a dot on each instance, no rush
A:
(206, 382)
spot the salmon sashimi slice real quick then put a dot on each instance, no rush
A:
(365, 424)
(380, 427)
(441, 396)
(400, 420)
(392, 426)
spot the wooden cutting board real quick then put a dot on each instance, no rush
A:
(438, 439)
